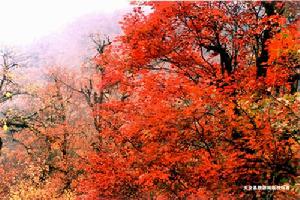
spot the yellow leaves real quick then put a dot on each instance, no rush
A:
(9, 76)
(5, 127)
(30, 188)
(8, 95)
(147, 134)
(243, 103)
(27, 190)
(32, 88)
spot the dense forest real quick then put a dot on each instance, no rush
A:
(193, 100)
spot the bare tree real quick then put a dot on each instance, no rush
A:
(10, 64)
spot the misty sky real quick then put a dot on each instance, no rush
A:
(23, 21)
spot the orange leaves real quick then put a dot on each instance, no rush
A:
(285, 42)
(199, 119)
(284, 50)
(176, 108)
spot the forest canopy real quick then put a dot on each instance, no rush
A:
(194, 100)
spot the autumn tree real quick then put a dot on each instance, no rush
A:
(12, 118)
(210, 105)
(45, 143)
(195, 100)
(10, 86)
(63, 131)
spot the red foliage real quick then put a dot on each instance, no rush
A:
(209, 107)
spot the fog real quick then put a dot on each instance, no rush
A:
(23, 22)
(56, 32)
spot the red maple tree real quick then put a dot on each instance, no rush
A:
(203, 103)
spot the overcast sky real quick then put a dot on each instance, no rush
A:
(23, 21)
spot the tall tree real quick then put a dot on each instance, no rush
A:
(206, 110)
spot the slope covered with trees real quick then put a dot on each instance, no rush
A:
(195, 100)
